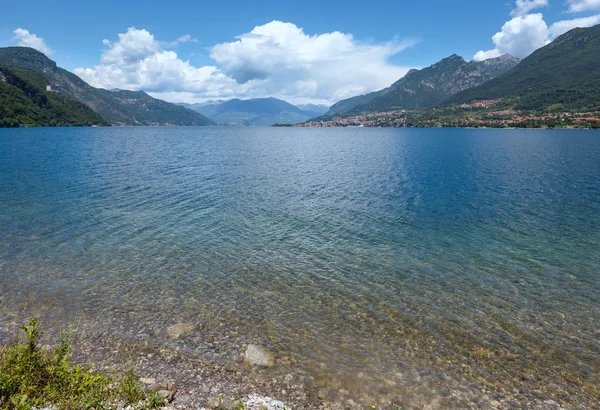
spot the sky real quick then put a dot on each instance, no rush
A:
(310, 51)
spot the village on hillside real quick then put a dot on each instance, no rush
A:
(479, 114)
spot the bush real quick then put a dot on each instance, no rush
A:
(34, 377)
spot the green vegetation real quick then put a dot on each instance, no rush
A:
(31, 376)
(565, 74)
(117, 107)
(502, 114)
(24, 102)
(484, 114)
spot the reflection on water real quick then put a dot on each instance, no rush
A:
(382, 263)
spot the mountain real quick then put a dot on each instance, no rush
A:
(350, 104)
(563, 73)
(430, 86)
(117, 107)
(197, 106)
(257, 111)
(318, 109)
(24, 101)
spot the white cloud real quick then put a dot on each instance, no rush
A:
(137, 61)
(276, 59)
(523, 7)
(133, 46)
(525, 33)
(577, 6)
(485, 55)
(26, 39)
(331, 65)
(519, 37)
(561, 27)
(186, 38)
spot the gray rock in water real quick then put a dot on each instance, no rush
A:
(258, 356)
(176, 331)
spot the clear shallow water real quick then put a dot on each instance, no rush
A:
(386, 263)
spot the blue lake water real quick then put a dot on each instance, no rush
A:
(383, 263)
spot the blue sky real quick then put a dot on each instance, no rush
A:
(310, 51)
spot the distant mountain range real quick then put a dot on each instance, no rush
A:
(425, 88)
(118, 107)
(563, 75)
(255, 112)
(316, 108)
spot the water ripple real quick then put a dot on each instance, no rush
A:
(401, 256)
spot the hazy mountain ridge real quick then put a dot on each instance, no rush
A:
(316, 108)
(115, 107)
(254, 112)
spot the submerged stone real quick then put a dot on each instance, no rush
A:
(176, 331)
(258, 356)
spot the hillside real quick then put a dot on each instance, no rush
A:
(24, 101)
(566, 72)
(425, 88)
(254, 112)
(349, 104)
(115, 107)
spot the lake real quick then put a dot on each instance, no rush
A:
(437, 266)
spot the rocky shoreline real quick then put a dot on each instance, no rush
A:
(260, 379)
(190, 382)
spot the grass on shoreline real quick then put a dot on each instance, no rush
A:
(35, 377)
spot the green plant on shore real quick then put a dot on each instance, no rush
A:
(31, 376)
(130, 388)
(220, 405)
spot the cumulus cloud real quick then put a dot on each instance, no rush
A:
(137, 61)
(523, 7)
(26, 39)
(275, 59)
(577, 6)
(519, 37)
(329, 63)
(561, 27)
(525, 33)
